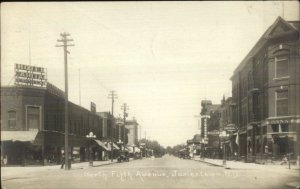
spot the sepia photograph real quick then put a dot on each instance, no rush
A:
(150, 94)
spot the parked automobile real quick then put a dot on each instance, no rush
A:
(123, 157)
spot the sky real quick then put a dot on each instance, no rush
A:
(161, 58)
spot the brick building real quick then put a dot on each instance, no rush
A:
(266, 92)
(210, 123)
(32, 126)
(227, 125)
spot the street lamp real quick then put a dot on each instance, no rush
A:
(120, 143)
(90, 136)
(223, 135)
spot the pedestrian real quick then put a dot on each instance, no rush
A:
(5, 160)
(236, 156)
(62, 160)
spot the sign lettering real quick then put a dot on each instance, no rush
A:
(30, 75)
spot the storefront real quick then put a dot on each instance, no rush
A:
(282, 135)
(38, 147)
(32, 126)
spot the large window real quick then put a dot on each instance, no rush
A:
(282, 103)
(12, 115)
(284, 127)
(275, 128)
(33, 118)
(282, 68)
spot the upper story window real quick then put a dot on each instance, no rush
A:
(33, 118)
(12, 119)
(281, 66)
(282, 103)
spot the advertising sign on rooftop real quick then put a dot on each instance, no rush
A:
(30, 75)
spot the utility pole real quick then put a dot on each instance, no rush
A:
(125, 114)
(64, 39)
(112, 95)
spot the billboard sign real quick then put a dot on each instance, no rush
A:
(30, 75)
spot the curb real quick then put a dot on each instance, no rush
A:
(85, 167)
(104, 164)
(209, 163)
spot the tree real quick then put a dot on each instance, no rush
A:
(153, 145)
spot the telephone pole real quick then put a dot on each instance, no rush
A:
(125, 114)
(112, 95)
(65, 40)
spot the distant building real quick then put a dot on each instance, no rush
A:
(194, 145)
(210, 123)
(132, 126)
(227, 125)
(110, 135)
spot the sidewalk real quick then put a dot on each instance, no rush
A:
(14, 172)
(230, 164)
(84, 165)
(294, 171)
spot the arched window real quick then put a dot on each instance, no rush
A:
(12, 117)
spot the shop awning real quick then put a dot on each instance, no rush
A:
(108, 147)
(102, 145)
(130, 149)
(126, 149)
(137, 150)
(23, 136)
(116, 147)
